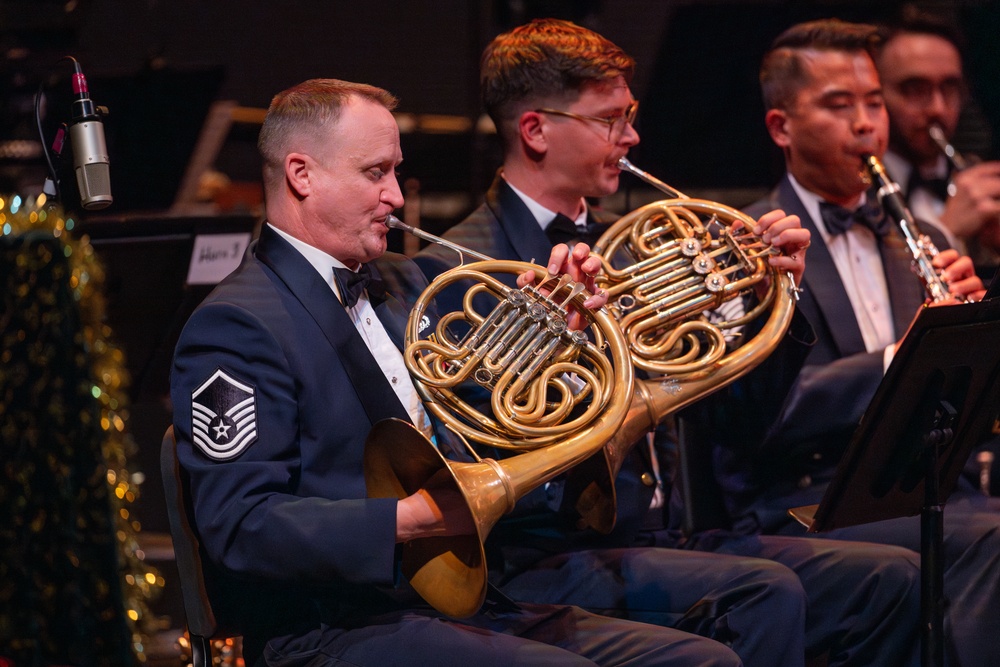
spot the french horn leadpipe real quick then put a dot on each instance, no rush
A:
(625, 165)
(667, 266)
(922, 248)
(392, 222)
(523, 355)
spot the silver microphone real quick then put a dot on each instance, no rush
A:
(90, 151)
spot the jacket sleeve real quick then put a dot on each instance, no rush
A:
(744, 412)
(253, 512)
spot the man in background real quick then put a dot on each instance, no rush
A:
(773, 451)
(924, 85)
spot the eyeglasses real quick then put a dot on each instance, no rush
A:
(921, 91)
(616, 124)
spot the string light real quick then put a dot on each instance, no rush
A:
(30, 218)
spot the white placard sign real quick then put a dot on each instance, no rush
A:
(215, 256)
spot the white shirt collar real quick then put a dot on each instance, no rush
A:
(320, 260)
(898, 167)
(859, 265)
(811, 201)
(545, 216)
(386, 355)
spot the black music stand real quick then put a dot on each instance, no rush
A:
(994, 287)
(939, 398)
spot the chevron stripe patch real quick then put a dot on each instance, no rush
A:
(223, 416)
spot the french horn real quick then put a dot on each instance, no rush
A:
(556, 397)
(668, 268)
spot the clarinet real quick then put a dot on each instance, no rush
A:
(955, 159)
(921, 247)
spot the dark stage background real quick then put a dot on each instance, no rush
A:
(159, 65)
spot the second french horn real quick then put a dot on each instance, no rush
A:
(677, 271)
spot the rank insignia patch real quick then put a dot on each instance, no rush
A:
(223, 416)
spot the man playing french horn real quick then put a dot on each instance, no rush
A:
(560, 98)
(278, 379)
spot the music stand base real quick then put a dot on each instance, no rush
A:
(932, 541)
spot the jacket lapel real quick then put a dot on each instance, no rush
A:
(518, 224)
(393, 317)
(899, 279)
(822, 280)
(305, 283)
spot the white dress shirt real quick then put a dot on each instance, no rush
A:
(856, 255)
(386, 354)
(545, 216)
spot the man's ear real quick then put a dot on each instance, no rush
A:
(531, 129)
(298, 173)
(776, 121)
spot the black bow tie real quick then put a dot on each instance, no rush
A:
(838, 219)
(351, 284)
(564, 230)
(936, 186)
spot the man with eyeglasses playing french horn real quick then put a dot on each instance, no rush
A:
(560, 98)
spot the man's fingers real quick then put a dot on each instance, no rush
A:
(944, 258)
(597, 300)
(557, 259)
(592, 265)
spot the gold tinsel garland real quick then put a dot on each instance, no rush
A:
(141, 582)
